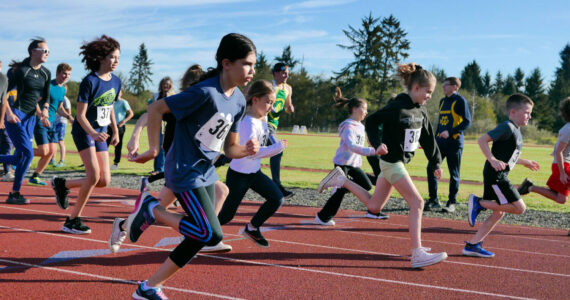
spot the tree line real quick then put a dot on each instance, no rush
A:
(378, 45)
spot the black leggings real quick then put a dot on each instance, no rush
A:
(200, 226)
(239, 183)
(356, 175)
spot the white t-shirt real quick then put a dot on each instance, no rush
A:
(67, 106)
(254, 128)
(564, 137)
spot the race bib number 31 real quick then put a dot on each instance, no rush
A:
(412, 139)
(104, 115)
(213, 134)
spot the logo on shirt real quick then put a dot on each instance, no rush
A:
(106, 98)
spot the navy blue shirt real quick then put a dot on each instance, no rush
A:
(204, 116)
(99, 96)
(454, 117)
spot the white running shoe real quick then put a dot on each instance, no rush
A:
(335, 178)
(114, 167)
(117, 236)
(8, 177)
(422, 258)
(218, 248)
(318, 221)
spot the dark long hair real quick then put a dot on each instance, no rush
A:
(95, 51)
(34, 42)
(233, 46)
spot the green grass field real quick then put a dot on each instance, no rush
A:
(316, 152)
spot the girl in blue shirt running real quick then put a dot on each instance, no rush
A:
(207, 117)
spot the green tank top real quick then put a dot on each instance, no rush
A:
(275, 113)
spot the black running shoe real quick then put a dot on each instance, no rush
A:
(255, 236)
(286, 194)
(525, 186)
(75, 226)
(17, 198)
(58, 186)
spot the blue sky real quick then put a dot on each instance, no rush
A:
(500, 35)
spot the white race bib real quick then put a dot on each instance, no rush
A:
(104, 115)
(514, 158)
(213, 134)
(412, 139)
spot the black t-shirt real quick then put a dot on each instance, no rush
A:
(404, 126)
(507, 145)
(32, 85)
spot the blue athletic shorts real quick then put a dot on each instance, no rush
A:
(84, 141)
(60, 131)
(44, 135)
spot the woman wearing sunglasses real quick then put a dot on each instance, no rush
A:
(32, 82)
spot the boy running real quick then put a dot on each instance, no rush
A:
(499, 194)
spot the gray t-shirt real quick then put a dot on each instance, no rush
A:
(3, 87)
(564, 137)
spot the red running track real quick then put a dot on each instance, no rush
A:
(357, 259)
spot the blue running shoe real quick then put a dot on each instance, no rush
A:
(36, 181)
(476, 250)
(149, 293)
(141, 218)
(474, 208)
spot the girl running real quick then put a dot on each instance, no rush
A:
(245, 173)
(165, 89)
(405, 127)
(32, 82)
(207, 117)
(348, 155)
(166, 196)
(97, 92)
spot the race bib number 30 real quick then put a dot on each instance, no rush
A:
(104, 115)
(213, 134)
(412, 139)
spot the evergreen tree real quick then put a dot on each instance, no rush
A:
(471, 78)
(438, 73)
(364, 44)
(533, 84)
(510, 86)
(560, 86)
(140, 73)
(519, 79)
(393, 49)
(499, 83)
(262, 68)
(486, 86)
(377, 48)
(287, 58)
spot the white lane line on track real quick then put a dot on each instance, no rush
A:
(255, 263)
(295, 243)
(112, 279)
(425, 241)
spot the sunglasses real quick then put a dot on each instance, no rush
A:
(45, 51)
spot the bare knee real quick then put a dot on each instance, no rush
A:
(520, 208)
(92, 179)
(223, 191)
(561, 199)
(103, 181)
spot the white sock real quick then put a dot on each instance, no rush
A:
(251, 228)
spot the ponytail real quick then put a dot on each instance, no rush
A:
(351, 103)
(413, 73)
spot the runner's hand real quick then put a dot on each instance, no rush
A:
(252, 146)
(100, 136)
(12, 118)
(115, 139)
(284, 143)
(437, 173)
(142, 158)
(381, 150)
(533, 165)
(497, 164)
